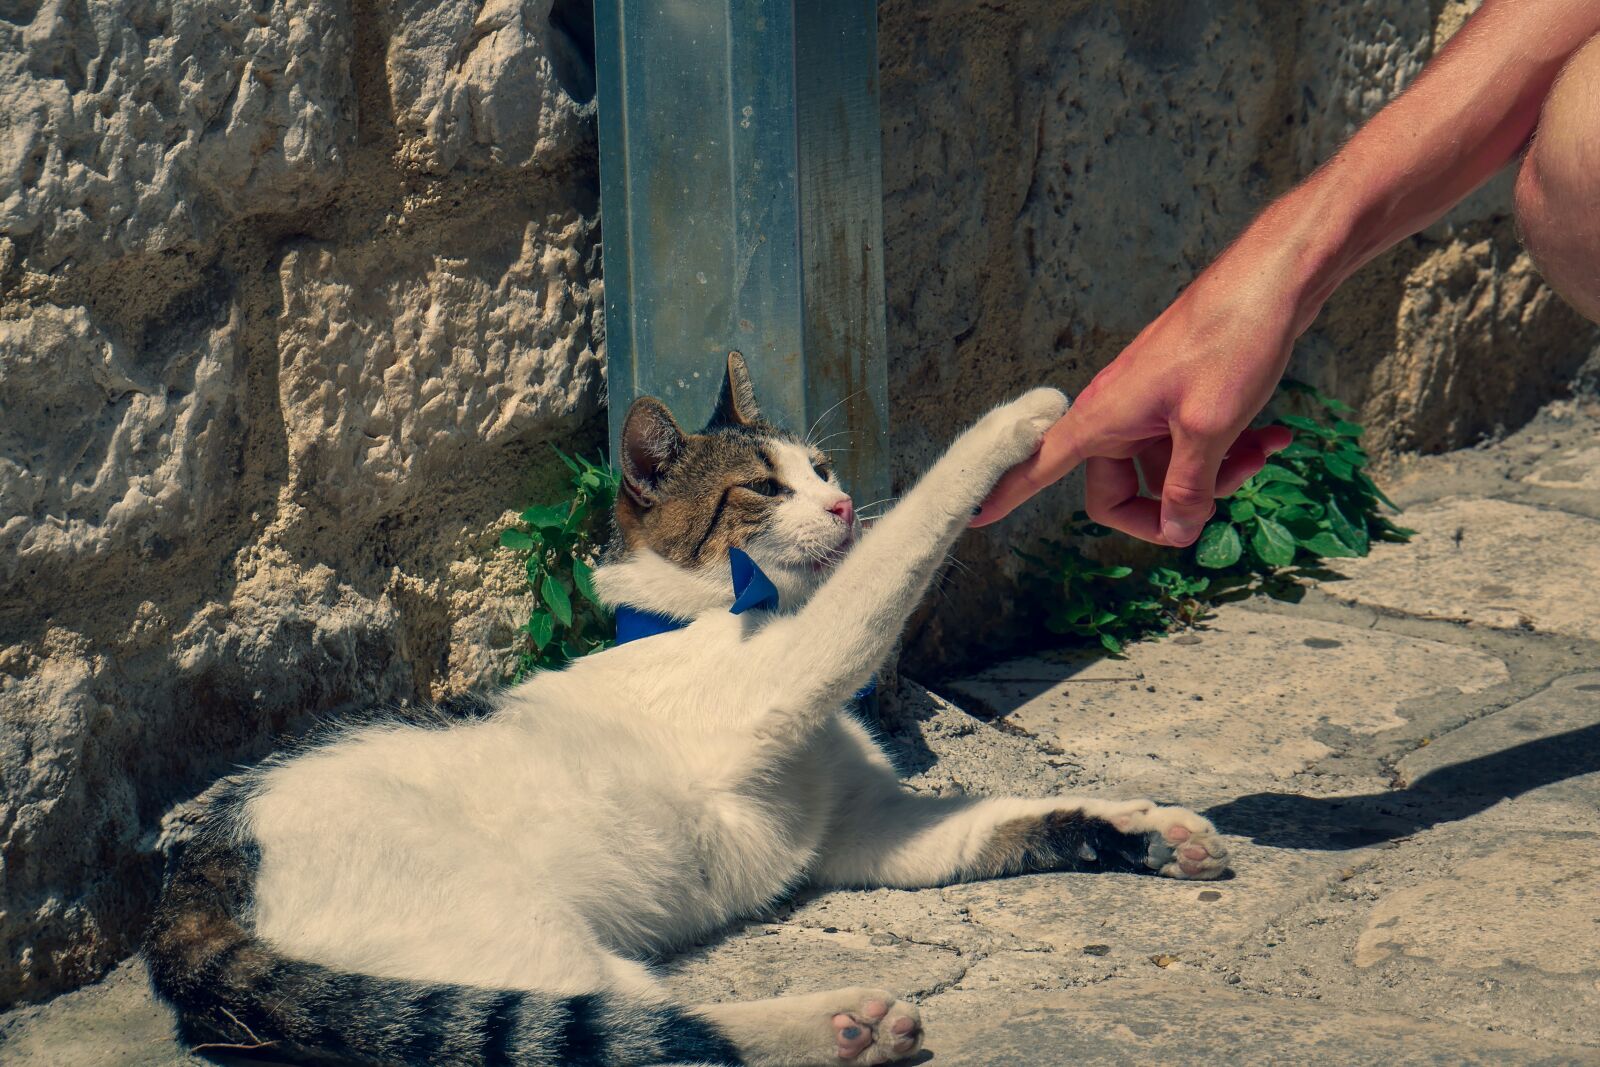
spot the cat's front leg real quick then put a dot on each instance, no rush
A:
(850, 624)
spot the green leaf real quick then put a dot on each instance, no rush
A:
(556, 599)
(571, 465)
(1284, 493)
(516, 539)
(540, 629)
(1241, 510)
(1341, 469)
(1273, 543)
(1218, 546)
(1111, 644)
(1366, 482)
(545, 516)
(583, 581)
(1298, 450)
(1108, 572)
(1354, 537)
(1274, 473)
(1325, 544)
(1311, 426)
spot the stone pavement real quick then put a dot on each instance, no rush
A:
(1406, 761)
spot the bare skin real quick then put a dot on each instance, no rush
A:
(1178, 401)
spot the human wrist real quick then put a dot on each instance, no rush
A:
(1308, 242)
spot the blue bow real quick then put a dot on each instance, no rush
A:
(751, 589)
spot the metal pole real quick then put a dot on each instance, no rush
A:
(741, 199)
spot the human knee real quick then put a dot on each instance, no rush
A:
(1557, 195)
(1562, 167)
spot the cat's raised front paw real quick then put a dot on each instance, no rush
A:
(1020, 425)
(1179, 843)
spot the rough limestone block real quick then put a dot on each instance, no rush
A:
(1489, 562)
(110, 448)
(496, 83)
(392, 373)
(96, 736)
(1353, 59)
(129, 127)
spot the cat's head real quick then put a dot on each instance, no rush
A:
(740, 482)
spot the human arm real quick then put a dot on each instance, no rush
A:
(1178, 399)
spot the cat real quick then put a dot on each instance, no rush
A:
(488, 891)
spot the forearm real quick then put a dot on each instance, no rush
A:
(1464, 118)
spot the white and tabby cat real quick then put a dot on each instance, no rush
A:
(485, 892)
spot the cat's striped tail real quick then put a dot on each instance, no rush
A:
(236, 995)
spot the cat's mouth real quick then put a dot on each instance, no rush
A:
(835, 555)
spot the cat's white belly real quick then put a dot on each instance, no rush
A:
(460, 855)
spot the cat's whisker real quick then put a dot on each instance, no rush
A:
(818, 444)
(841, 402)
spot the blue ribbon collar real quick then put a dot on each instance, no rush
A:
(752, 590)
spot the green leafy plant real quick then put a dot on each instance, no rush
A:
(561, 542)
(1312, 501)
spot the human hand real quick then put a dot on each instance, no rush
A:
(1175, 405)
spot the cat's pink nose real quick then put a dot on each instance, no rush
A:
(844, 509)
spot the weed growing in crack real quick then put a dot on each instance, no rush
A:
(1312, 501)
(562, 542)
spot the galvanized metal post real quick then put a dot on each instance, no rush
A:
(741, 199)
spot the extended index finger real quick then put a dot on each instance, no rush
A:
(1057, 454)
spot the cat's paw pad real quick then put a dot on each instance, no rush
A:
(1179, 843)
(880, 1029)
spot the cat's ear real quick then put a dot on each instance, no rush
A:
(651, 441)
(736, 406)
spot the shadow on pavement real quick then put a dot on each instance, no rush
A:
(1455, 791)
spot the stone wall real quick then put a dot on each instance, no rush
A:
(295, 294)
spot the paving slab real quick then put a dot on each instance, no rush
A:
(1490, 562)
(1467, 922)
(1548, 737)
(1252, 694)
(773, 960)
(1515, 908)
(117, 1022)
(1119, 918)
(1147, 1022)
(1578, 469)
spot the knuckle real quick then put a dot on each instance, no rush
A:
(1187, 499)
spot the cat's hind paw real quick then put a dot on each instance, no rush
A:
(1178, 843)
(879, 1029)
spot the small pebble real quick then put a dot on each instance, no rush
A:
(830, 929)
(1210, 894)
(1096, 950)
(1163, 960)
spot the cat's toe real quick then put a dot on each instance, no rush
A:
(1179, 843)
(1037, 410)
(880, 1029)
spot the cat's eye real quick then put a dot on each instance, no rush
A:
(765, 486)
(824, 471)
